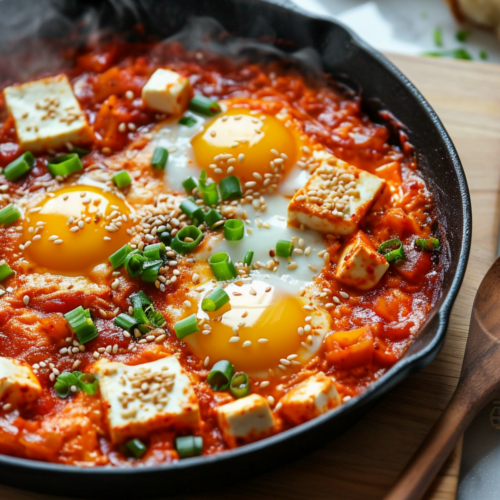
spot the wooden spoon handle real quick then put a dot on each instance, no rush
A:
(472, 393)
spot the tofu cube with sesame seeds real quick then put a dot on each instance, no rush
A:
(18, 384)
(335, 198)
(360, 265)
(143, 398)
(245, 420)
(47, 114)
(309, 399)
(167, 91)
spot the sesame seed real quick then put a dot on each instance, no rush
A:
(232, 340)
(292, 266)
(300, 331)
(247, 343)
(58, 241)
(26, 300)
(262, 341)
(76, 364)
(342, 294)
(7, 407)
(270, 400)
(336, 300)
(308, 318)
(129, 95)
(307, 328)
(285, 362)
(292, 356)
(207, 361)
(264, 384)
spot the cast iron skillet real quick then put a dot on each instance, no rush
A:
(383, 87)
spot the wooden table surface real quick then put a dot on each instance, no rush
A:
(363, 462)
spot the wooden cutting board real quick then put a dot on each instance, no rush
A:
(362, 463)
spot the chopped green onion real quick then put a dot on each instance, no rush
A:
(134, 263)
(234, 229)
(211, 217)
(222, 266)
(82, 324)
(220, 375)
(80, 151)
(392, 250)
(20, 166)
(9, 214)
(230, 187)
(427, 244)
(454, 53)
(160, 158)
(240, 385)
(187, 121)
(140, 300)
(248, 258)
(165, 237)
(215, 300)
(186, 326)
(483, 55)
(5, 271)
(136, 448)
(122, 179)
(438, 37)
(150, 270)
(187, 239)
(87, 382)
(193, 211)
(204, 106)
(126, 322)
(64, 165)
(189, 184)
(208, 192)
(155, 317)
(189, 446)
(284, 248)
(462, 35)
(63, 384)
(157, 251)
(119, 257)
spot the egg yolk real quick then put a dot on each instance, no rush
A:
(76, 229)
(249, 143)
(265, 319)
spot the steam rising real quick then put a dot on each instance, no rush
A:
(33, 35)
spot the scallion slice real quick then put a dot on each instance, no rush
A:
(240, 385)
(150, 270)
(234, 229)
(160, 158)
(65, 165)
(187, 239)
(189, 184)
(82, 324)
(157, 251)
(215, 300)
(189, 446)
(136, 448)
(248, 258)
(5, 271)
(230, 188)
(140, 300)
(80, 151)
(122, 179)
(392, 250)
(211, 217)
(126, 322)
(208, 192)
(134, 263)
(119, 257)
(9, 214)
(220, 375)
(186, 326)
(193, 211)
(187, 121)
(63, 384)
(87, 382)
(427, 244)
(204, 105)
(284, 248)
(20, 166)
(222, 266)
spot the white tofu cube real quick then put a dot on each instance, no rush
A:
(167, 91)
(142, 398)
(309, 399)
(18, 383)
(360, 265)
(245, 420)
(335, 198)
(47, 114)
